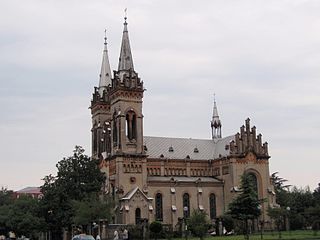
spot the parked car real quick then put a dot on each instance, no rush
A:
(83, 237)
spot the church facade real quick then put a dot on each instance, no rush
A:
(160, 178)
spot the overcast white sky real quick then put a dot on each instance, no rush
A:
(261, 58)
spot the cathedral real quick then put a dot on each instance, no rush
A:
(161, 178)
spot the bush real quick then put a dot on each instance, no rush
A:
(228, 222)
(155, 229)
(297, 222)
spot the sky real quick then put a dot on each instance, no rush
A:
(260, 58)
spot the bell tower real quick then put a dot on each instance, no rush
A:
(125, 97)
(100, 109)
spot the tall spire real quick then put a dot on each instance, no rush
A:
(105, 74)
(215, 122)
(125, 60)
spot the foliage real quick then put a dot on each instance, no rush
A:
(313, 216)
(6, 196)
(246, 206)
(22, 216)
(77, 179)
(277, 214)
(155, 228)
(198, 223)
(281, 189)
(228, 222)
(316, 194)
(91, 209)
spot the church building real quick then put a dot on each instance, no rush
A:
(161, 178)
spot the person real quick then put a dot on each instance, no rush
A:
(115, 235)
(98, 237)
(125, 234)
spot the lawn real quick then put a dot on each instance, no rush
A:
(292, 235)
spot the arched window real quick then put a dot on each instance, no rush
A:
(186, 205)
(131, 121)
(254, 181)
(138, 215)
(159, 210)
(212, 205)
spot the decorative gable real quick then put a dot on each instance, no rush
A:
(246, 141)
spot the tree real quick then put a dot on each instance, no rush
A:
(198, 223)
(77, 179)
(316, 194)
(277, 214)
(281, 189)
(22, 216)
(155, 228)
(6, 196)
(91, 209)
(246, 206)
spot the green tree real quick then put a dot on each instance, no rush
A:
(78, 178)
(281, 189)
(246, 206)
(155, 228)
(23, 217)
(91, 209)
(198, 223)
(6, 196)
(277, 214)
(316, 194)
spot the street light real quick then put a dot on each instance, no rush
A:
(185, 211)
(288, 219)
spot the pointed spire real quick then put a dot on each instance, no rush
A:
(215, 122)
(105, 74)
(125, 60)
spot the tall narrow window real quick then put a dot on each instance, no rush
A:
(159, 210)
(254, 181)
(138, 215)
(212, 204)
(95, 139)
(186, 205)
(115, 129)
(131, 125)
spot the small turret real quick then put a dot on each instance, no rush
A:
(105, 74)
(215, 122)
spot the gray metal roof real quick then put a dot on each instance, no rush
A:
(182, 147)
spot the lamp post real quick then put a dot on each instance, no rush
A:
(185, 211)
(288, 219)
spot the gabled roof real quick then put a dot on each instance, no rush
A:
(132, 192)
(180, 148)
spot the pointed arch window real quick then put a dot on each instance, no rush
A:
(186, 205)
(131, 122)
(159, 208)
(254, 181)
(213, 206)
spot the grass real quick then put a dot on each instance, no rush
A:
(292, 235)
